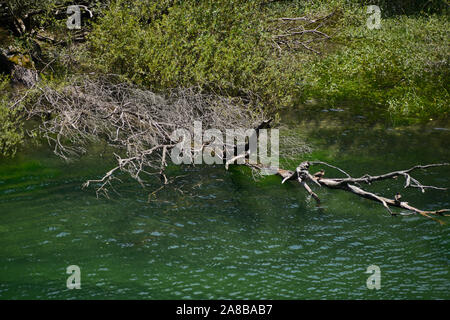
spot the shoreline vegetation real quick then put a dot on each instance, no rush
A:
(136, 71)
(273, 55)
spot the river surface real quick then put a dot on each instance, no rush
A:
(217, 234)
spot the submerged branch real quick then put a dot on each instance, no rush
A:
(348, 184)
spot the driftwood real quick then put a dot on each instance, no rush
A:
(350, 184)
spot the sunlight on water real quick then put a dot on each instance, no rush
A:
(218, 234)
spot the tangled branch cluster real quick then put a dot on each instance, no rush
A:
(136, 121)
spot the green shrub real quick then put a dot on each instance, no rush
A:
(11, 132)
(215, 44)
(406, 7)
(401, 69)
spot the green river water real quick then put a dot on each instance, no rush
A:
(219, 234)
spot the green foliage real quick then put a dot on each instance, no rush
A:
(11, 133)
(406, 7)
(399, 71)
(401, 68)
(34, 13)
(208, 43)
(222, 45)
(29, 20)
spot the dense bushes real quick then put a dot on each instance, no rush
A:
(402, 68)
(407, 7)
(11, 133)
(224, 45)
(214, 44)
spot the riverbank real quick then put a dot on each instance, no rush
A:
(397, 73)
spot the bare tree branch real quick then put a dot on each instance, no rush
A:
(300, 32)
(302, 175)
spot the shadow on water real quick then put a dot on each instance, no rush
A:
(221, 234)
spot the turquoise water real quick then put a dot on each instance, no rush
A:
(217, 234)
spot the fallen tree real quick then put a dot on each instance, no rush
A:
(139, 123)
(350, 184)
(302, 175)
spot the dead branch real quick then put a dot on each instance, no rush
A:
(302, 175)
(135, 121)
(300, 32)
